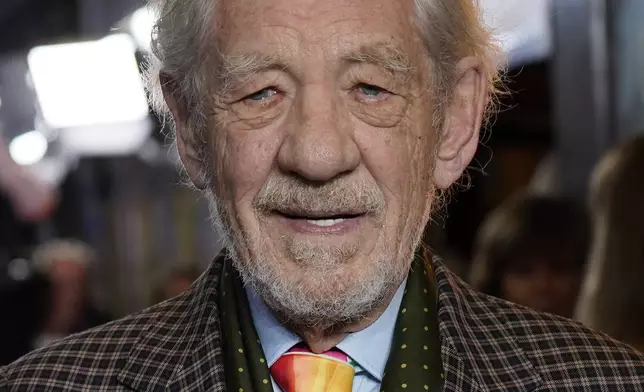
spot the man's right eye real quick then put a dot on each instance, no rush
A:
(261, 95)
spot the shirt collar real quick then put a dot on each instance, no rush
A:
(275, 339)
(369, 347)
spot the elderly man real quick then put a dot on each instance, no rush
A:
(324, 132)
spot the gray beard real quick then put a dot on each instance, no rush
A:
(330, 298)
(337, 300)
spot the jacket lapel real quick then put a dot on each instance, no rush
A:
(458, 377)
(181, 348)
(479, 352)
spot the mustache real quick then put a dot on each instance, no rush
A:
(341, 196)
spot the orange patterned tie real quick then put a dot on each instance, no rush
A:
(299, 370)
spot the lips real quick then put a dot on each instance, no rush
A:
(295, 213)
(325, 222)
(320, 221)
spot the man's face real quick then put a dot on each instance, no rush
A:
(322, 142)
(324, 151)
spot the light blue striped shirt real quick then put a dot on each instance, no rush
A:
(369, 348)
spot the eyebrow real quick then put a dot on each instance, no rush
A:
(235, 70)
(386, 56)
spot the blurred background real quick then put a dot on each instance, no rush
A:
(95, 221)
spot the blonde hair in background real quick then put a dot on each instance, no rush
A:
(63, 249)
(612, 299)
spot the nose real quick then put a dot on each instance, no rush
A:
(319, 145)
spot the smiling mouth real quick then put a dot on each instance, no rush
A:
(326, 222)
(322, 221)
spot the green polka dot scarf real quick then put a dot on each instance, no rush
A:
(414, 363)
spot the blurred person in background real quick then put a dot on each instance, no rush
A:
(25, 202)
(612, 297)
(324, 134)
(531, 251)
(176, 282)
(32, 199)
(546, 179)
(24, 294)
(66, 264)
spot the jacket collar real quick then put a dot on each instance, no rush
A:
(181, 348)
(480, 351)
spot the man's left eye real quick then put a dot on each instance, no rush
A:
(372, 92)
(261, 95)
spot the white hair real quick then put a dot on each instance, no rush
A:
(181, 47)
(180, 50)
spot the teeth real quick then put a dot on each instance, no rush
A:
(325, 222)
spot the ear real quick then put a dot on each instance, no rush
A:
(463, 120)
(186, 143)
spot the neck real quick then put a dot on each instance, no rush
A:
(321, 340)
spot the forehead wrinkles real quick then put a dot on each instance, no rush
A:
(298, 58)
(312, 11)
(315, 20)
(306, 33)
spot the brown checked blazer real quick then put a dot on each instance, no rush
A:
(486, 344)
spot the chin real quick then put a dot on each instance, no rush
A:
(322, 284)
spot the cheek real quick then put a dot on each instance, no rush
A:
(386, 153)
(395, 160)
(385, 157)
(246, 162)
